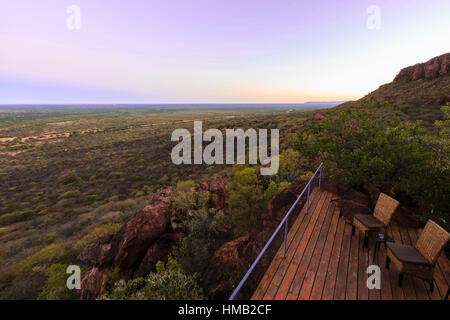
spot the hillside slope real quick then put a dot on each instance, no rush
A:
(417, 92)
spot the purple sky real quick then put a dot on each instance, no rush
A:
(187, 51)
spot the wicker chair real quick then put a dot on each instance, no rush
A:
(419, 261)
(382, 214)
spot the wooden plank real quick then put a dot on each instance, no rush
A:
(296, 284)
(319, 281)
(374, 294)
(332, 216)
(444, 266)
(442, 274)
(330, 280)
(397, 292)
(298, 254)
(291, 243)
(351, 292)
(341, 279)
(363, 291)
(284, 292)
(285, 263)
(386, 285)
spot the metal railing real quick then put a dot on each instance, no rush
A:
(285, 222)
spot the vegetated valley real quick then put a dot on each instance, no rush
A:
(74, 180)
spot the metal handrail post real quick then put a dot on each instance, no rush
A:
(285, 236)
(320, 177)
(307, 201)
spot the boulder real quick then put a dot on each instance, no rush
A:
(218, 277)
(98, 254)
(161, 248)
(217, 190)
(142, 230)
(146, 238)
(92, 283)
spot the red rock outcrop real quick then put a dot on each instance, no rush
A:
(216, 188)
(431, 69)
(217, 279)
(137, 246)
(93, 283)
(144, 239)
(143, 229)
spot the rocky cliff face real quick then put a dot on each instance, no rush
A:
(146, 238)
(438, 66)
(417, 92)
(239, 254)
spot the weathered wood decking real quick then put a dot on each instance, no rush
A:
(323, 261)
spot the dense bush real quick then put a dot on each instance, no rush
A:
(55, 287)
(169, 282)
(45, 256)
(247, 199)
(368, 152)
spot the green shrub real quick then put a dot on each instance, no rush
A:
(7, 219)
(24, 215)
(185, 186)
(93, 236)
(49, 238)
(55, 287)
(70, 194)
(367, 152)
(169, 282)
(245, 199)
(10, 218)
(63, 203)
(69, 180)
(50, 254)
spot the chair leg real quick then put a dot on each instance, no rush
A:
(448, 292)
(431, 286)
(375, 251)
(366, 240)
(388, 261)
(400, 280)
(353, 230)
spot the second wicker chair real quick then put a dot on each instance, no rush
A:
(382, 215)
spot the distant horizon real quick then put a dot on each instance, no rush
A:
(305, 105)
(171, 104)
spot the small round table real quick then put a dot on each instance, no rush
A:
(380, 238)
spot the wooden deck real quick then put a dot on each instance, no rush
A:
(324, 262)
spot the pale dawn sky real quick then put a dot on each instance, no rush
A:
(199, 51)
